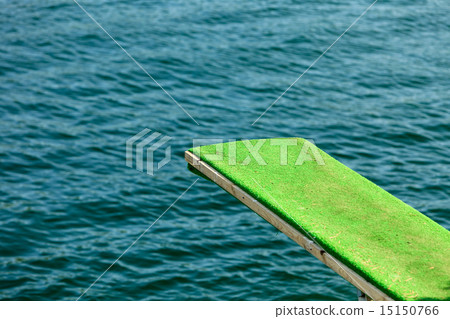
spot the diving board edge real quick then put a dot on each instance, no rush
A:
(345, 272)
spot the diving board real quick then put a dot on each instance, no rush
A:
(379, 244)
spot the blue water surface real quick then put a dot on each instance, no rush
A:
(378, 101)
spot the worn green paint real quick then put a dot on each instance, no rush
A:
(390, 244)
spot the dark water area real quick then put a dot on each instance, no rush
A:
(70, 98)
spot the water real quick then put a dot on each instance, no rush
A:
(70, 98)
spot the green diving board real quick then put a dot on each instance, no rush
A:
(385, 248)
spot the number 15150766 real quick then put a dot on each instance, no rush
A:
(409, 310)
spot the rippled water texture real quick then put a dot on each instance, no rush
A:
(378, 101)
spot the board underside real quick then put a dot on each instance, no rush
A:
(394, 247)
